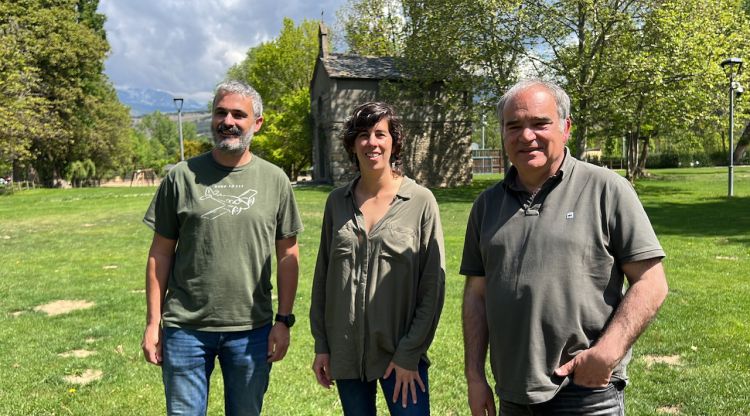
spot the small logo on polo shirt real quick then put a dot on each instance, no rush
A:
(570, 215)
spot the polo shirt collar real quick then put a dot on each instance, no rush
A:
(511, 179)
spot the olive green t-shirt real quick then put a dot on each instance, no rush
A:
(552, 265)
(226, 222)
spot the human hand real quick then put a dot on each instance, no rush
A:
(481, 399)
(278, 342)
(320, 368)
(151, 344)
(406, 381)
(590, 368)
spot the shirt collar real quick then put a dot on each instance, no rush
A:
(405, 191)
(511, 179)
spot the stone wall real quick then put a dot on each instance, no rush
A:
(437, 147)
(434, 156)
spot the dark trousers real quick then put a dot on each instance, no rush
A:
(358, 397)
(575, 400)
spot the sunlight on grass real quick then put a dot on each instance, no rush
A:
(90, 245)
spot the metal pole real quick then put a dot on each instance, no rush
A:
(483, 132)
(179, 123)
(730, 191)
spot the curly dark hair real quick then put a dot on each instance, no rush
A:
(363, 118)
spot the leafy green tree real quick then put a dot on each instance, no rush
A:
(146, 153)
(195, 147)
(157, 126)
(573, 41)
(285, 139)
(18, 103)
(281, 70)
(62, 55)
(81, 173)
(163, 132)
(373, 27)
(281, 65)
(641, 71)
(103, 132)
(668, 85)
(468, 43)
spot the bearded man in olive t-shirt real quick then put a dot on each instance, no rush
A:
(218, 220)
(545, 256)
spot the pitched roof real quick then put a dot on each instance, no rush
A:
(361, 67)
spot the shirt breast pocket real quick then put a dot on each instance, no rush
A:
(341, 266)
(398, 253)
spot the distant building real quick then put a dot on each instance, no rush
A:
(437, 143)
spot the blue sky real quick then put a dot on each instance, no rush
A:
(185, 47)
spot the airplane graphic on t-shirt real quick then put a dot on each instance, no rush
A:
(230, 204)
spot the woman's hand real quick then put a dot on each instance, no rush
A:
(406, 381)
(320, 367)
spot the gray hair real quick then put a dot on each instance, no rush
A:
(562, 100)
(240, 88)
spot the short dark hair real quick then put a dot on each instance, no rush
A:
(363, 118)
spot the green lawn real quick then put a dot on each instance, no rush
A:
(90, 245)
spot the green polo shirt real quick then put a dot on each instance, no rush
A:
(377, 297)
(552, 264)
(226, 222)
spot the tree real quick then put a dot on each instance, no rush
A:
(285, 139)
(103, 132)
(162, 139)
(572, 41)
(61, 49)
(281, 70)
(373, 27)
(18, 104)
(667, 82)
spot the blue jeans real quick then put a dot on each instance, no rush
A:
(575, 400)
(188, 361)
(358, 397)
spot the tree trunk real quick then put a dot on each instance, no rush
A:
(16, 171)
(739, 152)
(641, 166)
(633, 135)
(632, 155)
(580, 151)
(742, 144)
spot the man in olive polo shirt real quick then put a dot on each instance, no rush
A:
(545, 256)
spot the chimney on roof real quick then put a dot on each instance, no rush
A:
(323, 40)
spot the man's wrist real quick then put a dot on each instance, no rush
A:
(287, 320)
(475, 377)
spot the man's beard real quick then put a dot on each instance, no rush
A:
(227, 144)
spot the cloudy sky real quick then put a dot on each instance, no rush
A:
(186, 46)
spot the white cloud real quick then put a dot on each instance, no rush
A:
(186, 46)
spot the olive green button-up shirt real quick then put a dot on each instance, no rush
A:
(377, 297)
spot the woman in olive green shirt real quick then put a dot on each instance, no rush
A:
(379, 281)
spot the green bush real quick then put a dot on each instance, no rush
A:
(663, 160)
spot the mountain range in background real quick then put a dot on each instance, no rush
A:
(143, 101)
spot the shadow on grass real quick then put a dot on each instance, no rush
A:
(650, 190)
(713, 217)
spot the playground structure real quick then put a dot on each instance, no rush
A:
(143, 177)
